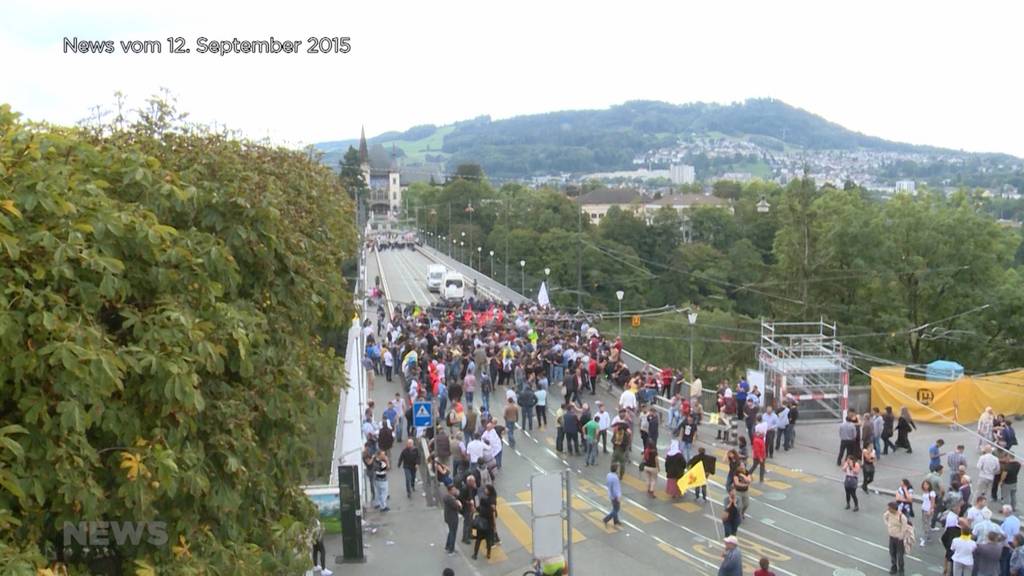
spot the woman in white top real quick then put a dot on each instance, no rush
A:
(927, 510)
(963, 553)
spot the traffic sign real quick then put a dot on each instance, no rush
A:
(636, 321)
(422, 416)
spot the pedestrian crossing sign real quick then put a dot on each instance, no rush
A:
(421, 415)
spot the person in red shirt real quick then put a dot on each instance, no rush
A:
(759, 456)
(764, 571)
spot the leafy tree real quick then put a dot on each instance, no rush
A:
(159, 357)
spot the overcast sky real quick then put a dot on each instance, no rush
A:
(939, 73)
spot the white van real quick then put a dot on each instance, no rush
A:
(454, 286)
(435, 276)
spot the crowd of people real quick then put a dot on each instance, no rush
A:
(490, 370)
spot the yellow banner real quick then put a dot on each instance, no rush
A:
(961, 401)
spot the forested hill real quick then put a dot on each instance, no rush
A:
(600, 140)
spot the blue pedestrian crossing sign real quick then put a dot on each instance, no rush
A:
(422, 416)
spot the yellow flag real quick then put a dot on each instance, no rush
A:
(693, 478)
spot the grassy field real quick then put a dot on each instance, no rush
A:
(416, 150)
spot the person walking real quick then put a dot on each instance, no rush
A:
(621, 437)
(986, 423)
(867, 466)
(896, 525)
(649, 466)
(888, 426)
(380, 480)
(988, 467)
(741, 483)
(604, 421)
(877, 424)
(408, 460)
(483, 522)
(935, 455)
(905, 498)
(675, 467)
(688, 435)
(614, 486)
(851, 477)
(541, 406)
(847, 440)
(467, 496)
(527, 399)
(732, 560)
(759, 457)
(731, 515)
(511, 419)
(903, 428)
(452, 510)
(590, 432)
(928, 499)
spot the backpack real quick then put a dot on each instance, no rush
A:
(619, 437)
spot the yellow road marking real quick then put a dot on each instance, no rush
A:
(497, 554)
(667, 549)
(688, 507)
(519, 528)
(597, 518)
(577, 536)
(641, 485)
(639, 513)
(778, 485)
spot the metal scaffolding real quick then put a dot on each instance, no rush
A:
(804, 361)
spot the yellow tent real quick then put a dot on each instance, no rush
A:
(960, 401)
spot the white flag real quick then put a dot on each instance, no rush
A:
(542, 295)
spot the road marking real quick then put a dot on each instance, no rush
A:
(597, 517)
(497, 554)
(520, 530)
(688, 507)
(640, 485)
(778, 484)
(634, 509)
(671, 551)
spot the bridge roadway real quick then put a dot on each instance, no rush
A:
(796, 518)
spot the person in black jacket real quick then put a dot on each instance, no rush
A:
(527, 400)
(483, 522)
(887, 428)
(408, 460)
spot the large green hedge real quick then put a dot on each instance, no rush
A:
(161, 292)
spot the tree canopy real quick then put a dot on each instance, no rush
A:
(163, 291)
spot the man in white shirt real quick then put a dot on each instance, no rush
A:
(696, 390)
(475, 450)
(491, 438)
(988, 467)
(627, 399)
(604, 421)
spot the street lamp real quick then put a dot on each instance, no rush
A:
(492, 263)
(692, 317)
(462, 250)
(619, 294)
(522, 269)
(479, 257)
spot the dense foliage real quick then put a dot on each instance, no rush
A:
(163, 288)
(905, 278)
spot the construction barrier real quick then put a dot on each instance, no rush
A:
(960, 401)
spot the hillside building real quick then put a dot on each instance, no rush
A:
(382, 178)
(682, 174)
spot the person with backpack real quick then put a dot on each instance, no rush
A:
(621, 438)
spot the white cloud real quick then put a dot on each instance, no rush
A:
(936, 73)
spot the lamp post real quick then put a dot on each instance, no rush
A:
(470, 210)
(618, 295)
(479, 257)
(492, 263)
(692, 317)
(522, 270)
(462, 250)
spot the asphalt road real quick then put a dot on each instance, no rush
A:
(796, 518)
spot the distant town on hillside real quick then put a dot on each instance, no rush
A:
(656, 146)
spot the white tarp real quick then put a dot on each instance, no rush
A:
(348, 442)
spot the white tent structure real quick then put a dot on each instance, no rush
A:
(542, 295)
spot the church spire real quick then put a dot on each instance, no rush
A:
(364, 152)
